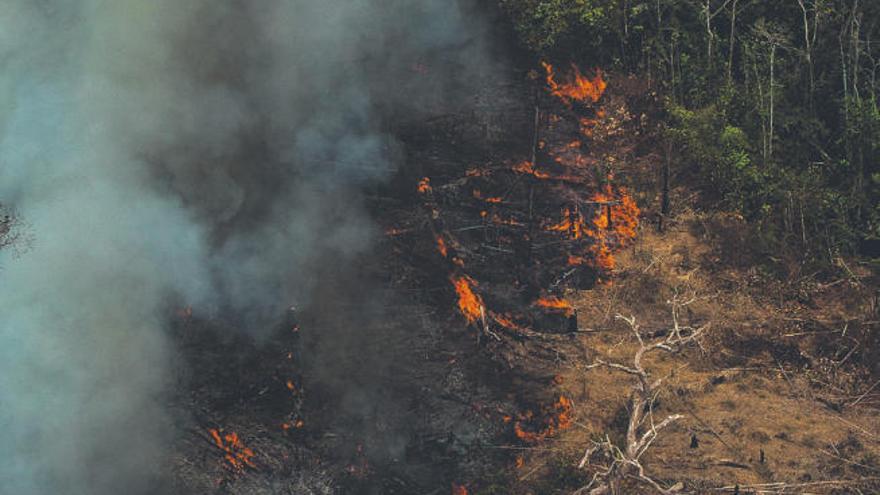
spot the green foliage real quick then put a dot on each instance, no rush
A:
(540, 23)
(718, 153)
(776, 123)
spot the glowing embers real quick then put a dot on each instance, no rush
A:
(296, 424)
(291, 386)
(531, 427)
(491, 199)
(237, 457)
(424, 186)
(469, 303)
(528, 167)
(576, 86)
(359, 467)
(441, 246)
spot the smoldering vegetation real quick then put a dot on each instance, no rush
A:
(165, 154)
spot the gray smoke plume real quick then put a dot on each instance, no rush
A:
(168, 152)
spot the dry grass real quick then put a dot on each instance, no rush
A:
(756, 397)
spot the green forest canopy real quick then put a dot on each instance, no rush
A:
(772, 105)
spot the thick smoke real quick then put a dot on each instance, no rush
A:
(171, 152)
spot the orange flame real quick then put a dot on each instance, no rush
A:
(479, 195)
(469, 303)
(424, 186)
(555, 303)
(581, 88)
(237, 455)
(623, 228)
(557, 418)
(573, 223)
(441, 246)
(459, 489)
(506, 321)
(527, 167)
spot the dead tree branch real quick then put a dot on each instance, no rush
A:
(641, 431)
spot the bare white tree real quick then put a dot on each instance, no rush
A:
(642, 430)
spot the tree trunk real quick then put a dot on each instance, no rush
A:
(732, 42)
(808, 52)
(664, 192)
(772, 68)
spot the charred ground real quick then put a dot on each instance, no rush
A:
(403, 393)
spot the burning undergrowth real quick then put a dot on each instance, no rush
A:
(499, 236)
(514, 235)
(385, 395)
(222, 167)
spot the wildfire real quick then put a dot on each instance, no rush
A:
(528, 167)
(469, 303)
(607, 237)
(494, 199)
(579, 88)
(424, 186)
(556, 417)
(621, 231)
(573, 223)
(459, 489)
(298, 424)
(506, 321)
(441, 246)
(237, 455)
(587, 126)
(555, 303)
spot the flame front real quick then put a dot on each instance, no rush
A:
(469, 303)
(556, 304)
(621, 231)
(580, 88)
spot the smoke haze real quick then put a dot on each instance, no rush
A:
(165, 153)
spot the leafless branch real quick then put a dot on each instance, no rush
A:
(625, 462)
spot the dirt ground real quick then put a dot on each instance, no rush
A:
(778, 397)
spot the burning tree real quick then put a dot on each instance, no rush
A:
(556, 217)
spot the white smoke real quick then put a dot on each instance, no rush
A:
(207, 152)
